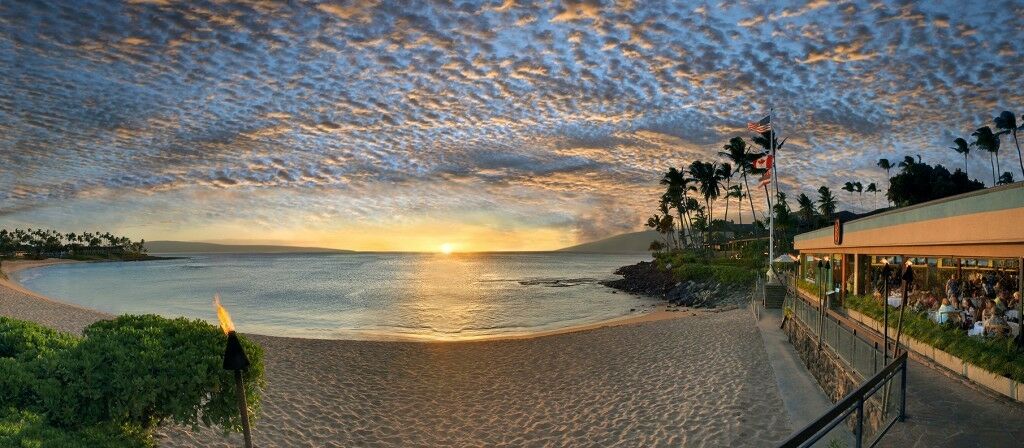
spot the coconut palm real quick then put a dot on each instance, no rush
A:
(736, 152)
(859, 188)
(806, 210)
(709, 184)
(988, 141)
(963, 148)
(675, 194)
(1006, 123)
(826, 202)
(873, 189)
(725, 172)
(736, 191)
(907, 163)
(886, 165)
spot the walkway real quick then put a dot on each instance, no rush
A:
(946, 411)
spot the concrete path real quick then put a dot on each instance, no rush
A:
(944, 410)
(802, 397)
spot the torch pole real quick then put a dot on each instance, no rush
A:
(243, 408)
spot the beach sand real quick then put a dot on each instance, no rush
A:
(699, 380)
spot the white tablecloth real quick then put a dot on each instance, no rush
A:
(895, 301)
(977, 330)
(1012, 313)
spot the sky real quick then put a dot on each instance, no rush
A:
(501, 125)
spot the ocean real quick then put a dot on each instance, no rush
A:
(356, 296)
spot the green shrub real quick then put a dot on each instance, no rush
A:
(145, 370)
(729, 275)
(995, 355)
(27, 340)
(15, 384)
(29, 429)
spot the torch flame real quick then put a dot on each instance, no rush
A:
(223, 316)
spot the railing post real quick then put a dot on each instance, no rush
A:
(903, 390)
(859, 431)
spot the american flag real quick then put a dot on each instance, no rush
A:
(762, 126)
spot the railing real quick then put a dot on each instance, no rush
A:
(867, 359)
(855, 403)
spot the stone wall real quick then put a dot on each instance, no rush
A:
(834, 375)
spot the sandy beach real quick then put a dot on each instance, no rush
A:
(660, 379)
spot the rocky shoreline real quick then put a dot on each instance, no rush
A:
(645, 278)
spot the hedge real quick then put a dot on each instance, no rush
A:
(132, 373)
(30, 429)
(995, 355)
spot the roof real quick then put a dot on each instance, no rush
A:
(990, 216)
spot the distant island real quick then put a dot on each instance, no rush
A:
(626, 243)
(184, 247)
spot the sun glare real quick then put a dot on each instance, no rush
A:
(446, 248)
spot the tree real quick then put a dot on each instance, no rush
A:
(873, 189)
(986, 140)
(736, 191)
(906, 163)
(886, 165)
(806, 211)
(1006, 122)
(859, 188)
(963, 148)
(736, 152)
(826, 202)
(675, 195)
(922, 182)
(1005, 178)
(709, 183)
(724, 172)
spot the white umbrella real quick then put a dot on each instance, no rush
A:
(785, 258)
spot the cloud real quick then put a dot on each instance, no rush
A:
(553, 115)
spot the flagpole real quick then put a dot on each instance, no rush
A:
(771, 213)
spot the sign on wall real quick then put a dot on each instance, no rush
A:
(837, 232)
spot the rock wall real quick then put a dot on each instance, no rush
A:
(834, 375)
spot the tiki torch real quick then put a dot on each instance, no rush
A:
(908, 279)
(886, 272)
(235, 360)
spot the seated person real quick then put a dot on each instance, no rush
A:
(997, 326)
(970, 311)
(944, 311)
(989, 311)
(1000, 302)
(953, 286)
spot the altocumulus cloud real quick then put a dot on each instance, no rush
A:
(555, 115)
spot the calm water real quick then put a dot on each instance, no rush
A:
(355, 295)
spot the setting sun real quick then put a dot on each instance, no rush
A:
(446, 248)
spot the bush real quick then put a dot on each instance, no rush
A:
(29, 429)
(27, 340)
(145, 370)
(15, 384)
(995, 355)
(729, 275)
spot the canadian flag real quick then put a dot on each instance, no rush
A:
(765, 162)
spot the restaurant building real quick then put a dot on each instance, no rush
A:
(978, 236)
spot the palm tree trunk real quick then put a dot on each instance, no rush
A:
(992, 162)
(965, 166)
(739, 210)
(753, 214)
(999, 169)
(1019, 158)
(727, 184)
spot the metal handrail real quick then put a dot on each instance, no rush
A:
(854, 402)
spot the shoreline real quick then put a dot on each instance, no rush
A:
(662, 311)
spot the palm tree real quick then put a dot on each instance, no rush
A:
(1006, 122)
(886, 165)
(707, 176)
(826, 202)
(736, 152)
(963, 148)
(675, 195)
(907, 163)
(806, 208)
(859, 188)
(988, 141)
(725, 172)
(736, 191)
(873, 189)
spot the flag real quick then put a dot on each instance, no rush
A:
(765, 162)
(766, 179)
(762, 126)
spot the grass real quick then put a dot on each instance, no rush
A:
(995, 355)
